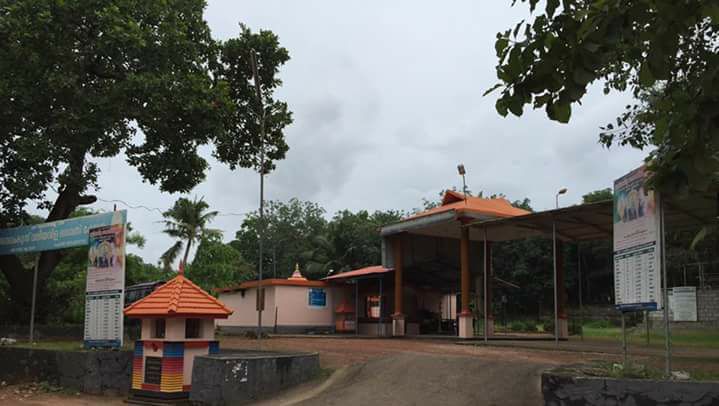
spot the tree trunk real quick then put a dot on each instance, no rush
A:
(19, 277)
(187, 251)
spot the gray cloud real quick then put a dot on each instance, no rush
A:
(387, 99)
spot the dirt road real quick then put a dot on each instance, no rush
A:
(418, 372)
(425, 379)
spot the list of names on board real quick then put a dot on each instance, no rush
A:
(104, 293)
(637, 276)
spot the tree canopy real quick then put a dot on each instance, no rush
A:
(663, 51)
(83, 80)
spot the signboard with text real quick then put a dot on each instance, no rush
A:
(637, 275)
(105, 285)
(683, 303)
(317, 297)
(55, 235)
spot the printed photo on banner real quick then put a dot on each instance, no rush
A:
(106, 258)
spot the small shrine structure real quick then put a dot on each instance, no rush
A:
(177, 325)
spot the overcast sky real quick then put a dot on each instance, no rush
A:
(387, 100)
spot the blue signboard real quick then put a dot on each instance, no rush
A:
(57, 234)
(318, 298)
(637, 307)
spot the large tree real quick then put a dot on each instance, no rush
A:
(289, 231)
(352, 241)
(218, 265)
(663, 51)
(84, 80)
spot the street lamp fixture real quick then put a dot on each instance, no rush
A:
(462, 171)
(556, 197)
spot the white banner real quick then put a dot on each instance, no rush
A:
(105, 287)
(637, 273)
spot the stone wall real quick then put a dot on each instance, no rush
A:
(96, 372)
(565, 390)
(244, 376)
(708, 305)
(62, 332)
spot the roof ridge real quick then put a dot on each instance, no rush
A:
(178, 296)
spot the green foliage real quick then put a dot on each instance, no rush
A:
(523, 326)
(352, 241)
(598, 196)
(187, 222)
(218, 265)
(85, 80)
(297, 232)
(663, 51)
(290, 230)
(239, 145)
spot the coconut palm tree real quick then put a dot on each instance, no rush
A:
(187, 221)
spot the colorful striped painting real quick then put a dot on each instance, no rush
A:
(172, 367)
(137, 359)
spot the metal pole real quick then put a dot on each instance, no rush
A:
(34, 296)
(581, 306)
(356, 306)
(624, 342)
(379, 318)
(258, 91)
(484, 280)
(556, 304)
(646, 324)
(665, 294)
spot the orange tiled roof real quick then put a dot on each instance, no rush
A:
(179, 297)
(369, 270)
(274, 282)
(498, 207)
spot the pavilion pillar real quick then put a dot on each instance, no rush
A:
(562, 317)
(490, 287)
(466, 327)
(398, 318)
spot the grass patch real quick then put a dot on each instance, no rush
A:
(708, 338)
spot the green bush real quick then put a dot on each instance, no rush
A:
(518, 325)
(523, 326)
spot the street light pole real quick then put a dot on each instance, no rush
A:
(556, 277)
(260, 290)
(556, 197)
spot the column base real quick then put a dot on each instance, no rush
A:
(398, 326)
(563, 328)
(466, 326)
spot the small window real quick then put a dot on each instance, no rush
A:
(192, 328)
(153, 370)
(158, 329)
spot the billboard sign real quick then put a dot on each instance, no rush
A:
(55, 235)
(637, 276)
(105, 285)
